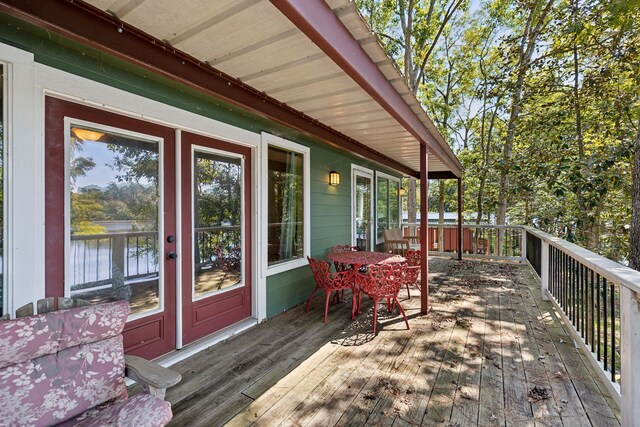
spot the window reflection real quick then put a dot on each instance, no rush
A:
(114, 204)
(388, 204)
(285, 200)
(217, 222)
(363, 212)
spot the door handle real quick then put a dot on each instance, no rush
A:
(172, 255)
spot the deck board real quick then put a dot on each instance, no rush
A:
(487, 341)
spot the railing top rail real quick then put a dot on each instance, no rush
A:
(218, 228)
(455, 224)
(111, 235)
(611, 270)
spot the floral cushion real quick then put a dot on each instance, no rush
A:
(29, 337)
(55, 366)
(143, 410)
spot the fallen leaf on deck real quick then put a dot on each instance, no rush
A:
(538, 393)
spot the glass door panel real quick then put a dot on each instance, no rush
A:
(362, 200)
(217, 233)
(215, 236)
(114, 205)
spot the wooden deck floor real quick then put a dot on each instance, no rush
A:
(490, 353)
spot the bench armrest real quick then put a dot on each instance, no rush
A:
(154, 378)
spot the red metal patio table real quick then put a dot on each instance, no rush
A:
(358, 259)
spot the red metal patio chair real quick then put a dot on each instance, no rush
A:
(329, 281)
(229, 260)
(413, 269)
(383, 281)
(340, 266)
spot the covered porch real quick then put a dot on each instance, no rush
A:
(489, 352)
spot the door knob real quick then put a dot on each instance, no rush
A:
(172, 255)
(171, 238)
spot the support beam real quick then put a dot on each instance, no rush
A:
(460, 243)
(318, 22)
(424, 223)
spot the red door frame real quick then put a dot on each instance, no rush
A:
(150, 336)
(207, 315)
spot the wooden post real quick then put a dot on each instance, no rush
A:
(523, 242)
(460, 245)
(630, 342)
(424, 223)
(118, 247)
(544, 270)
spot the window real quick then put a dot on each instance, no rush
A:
(286, 204)
(387, 203)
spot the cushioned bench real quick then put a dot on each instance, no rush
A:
(68, 367)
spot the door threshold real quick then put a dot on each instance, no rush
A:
(205, 342)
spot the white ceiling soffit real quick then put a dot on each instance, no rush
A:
(252, 41)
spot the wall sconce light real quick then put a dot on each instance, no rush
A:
(402, 192)
(334, 178)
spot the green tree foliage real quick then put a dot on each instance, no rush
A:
(540, 99)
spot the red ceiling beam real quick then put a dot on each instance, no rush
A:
(88, 25)
(324, 28)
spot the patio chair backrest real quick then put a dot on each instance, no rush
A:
(326, 279)
(413, 257)
(320, 270)
(383, 280)
(343, 248)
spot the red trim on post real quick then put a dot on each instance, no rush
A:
(424, 223)
(92, 27)
(460, 245)
(324, 28)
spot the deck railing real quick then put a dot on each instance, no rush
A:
(597, 298)
(96, 257)
(499, 242)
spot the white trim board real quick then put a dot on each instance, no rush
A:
(23, 204)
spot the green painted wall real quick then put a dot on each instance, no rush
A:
(330, 206)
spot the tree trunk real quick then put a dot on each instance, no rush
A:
(634, 238)
(528, 43)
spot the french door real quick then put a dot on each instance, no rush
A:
(362, 208)
(111, 226)
(216, 230)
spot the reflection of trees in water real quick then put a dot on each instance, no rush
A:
(132, 196)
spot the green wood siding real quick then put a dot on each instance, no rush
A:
(330, 206)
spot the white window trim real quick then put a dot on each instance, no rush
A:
(23, 209)
(390, 178)
(267, 140)
(367, 173)
(68, 123)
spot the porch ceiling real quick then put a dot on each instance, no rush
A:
(255, 42)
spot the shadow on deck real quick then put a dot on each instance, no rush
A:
(490, 352)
